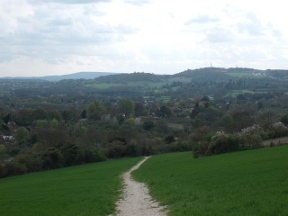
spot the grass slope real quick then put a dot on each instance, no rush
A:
(91, 189)
(243, 183)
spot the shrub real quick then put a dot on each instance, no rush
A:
(251, 141)
(224, 143)
(32, 162)
(13, 167)
(200, 149)
(148, 125)
(169, 139)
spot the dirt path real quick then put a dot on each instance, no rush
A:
(136, 200)
(277, 141)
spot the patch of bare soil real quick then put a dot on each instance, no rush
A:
(136, 200)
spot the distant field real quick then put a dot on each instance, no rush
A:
(251, 182)
(240, 75)
(110, 85)
(237, 92)
(91, 189)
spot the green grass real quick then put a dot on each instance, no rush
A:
(250, 183)
(104, 85)
(243, 91)
(91, 189)
(142, 83)
(239, 74)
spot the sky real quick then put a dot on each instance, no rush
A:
(57, 37)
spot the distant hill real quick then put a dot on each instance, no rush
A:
(190, 75)
(204, 74)
(79, 75)
(216, 74)
(200, 75)
(132, 77)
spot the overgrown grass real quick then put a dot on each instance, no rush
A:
(250, 183)
(91, 189)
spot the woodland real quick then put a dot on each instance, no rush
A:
(51, 124)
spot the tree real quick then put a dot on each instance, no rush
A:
(22, 134)
(241, 119)
(139, 109)
(2, 151)
(54, 123)
(71, 114)
(1, 115)
(126, 107)
(95, 110)
(23, 117)
(165, 112)
(148, 125)
(260, 105)
(53, 113)
(267, 118)
(284, 119)
(39, 113)
(52, 158)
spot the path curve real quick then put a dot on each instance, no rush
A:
(136, 199)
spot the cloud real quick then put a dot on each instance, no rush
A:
(60, 21)
(219, 35)
(137, 2)
(139, 35)
(68, 1)
(202, 19)
(51, 33)
(251, 25)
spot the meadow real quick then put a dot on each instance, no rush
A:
(140, 84)
(91, 189)
(250, 183)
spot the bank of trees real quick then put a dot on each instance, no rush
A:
(41, 132)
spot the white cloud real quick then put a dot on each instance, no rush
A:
(58, 36)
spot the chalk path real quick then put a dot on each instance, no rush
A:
(136, 200)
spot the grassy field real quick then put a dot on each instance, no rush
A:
(250, 183)
(239, 74)
(110, 85)
(91, 189)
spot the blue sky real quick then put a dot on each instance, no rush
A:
(55, 37)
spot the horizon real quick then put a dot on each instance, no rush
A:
(115, 73)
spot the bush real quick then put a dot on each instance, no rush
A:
(200, 149)
(32, 162)
(148, 125)
(132, 149)
(14, 168)
(72, 155)
(52, 158)
(224, 143)
(251, 141)
(169, 139)
(172, 147)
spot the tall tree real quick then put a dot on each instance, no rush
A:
(95, 110)
(126, 106)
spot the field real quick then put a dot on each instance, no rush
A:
(140, 83)
(239, 74)
(91, 189)
(250, 183)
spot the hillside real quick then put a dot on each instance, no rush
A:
(133, 77)
(195, 75)
(243, 183)
(138, 114)
(55, 78)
